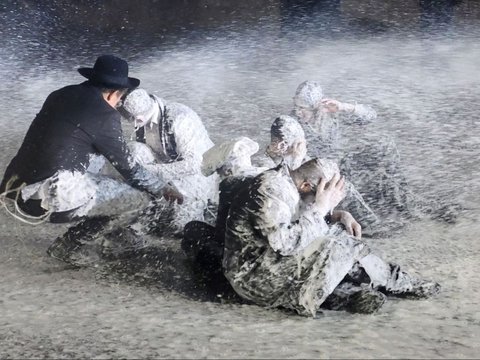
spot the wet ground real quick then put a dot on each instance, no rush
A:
(419, 71)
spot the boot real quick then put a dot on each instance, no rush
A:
(355, 299)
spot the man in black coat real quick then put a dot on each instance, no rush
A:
(51, 173)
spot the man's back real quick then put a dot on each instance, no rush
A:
(254, 215)
(74, 122)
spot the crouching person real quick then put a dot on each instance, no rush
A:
(281, 253)
(51, 176)
(171, 140)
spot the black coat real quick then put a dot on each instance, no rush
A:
(74, 122)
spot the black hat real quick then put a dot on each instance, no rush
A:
(110, 71)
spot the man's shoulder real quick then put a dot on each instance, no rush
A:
(182, 113)
(275, 183)
(235, 182)
(75, 94)
(72, 88)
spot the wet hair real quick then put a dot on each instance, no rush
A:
(308, 94)
(138, 102)
(286, 128)
(311, 171)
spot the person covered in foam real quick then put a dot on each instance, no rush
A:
(171, 141)
(338, 131)
(55, 174)
(231, 158)
(204, 243)
(325, 119)
(280, 252)
(288, 145)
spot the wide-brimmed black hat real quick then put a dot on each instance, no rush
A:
(110, 71)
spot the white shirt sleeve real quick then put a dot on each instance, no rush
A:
(278, 220)
(359, 112)
(365, 113)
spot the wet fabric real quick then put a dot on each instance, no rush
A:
(371, 163)
(73, 123)
(97, 239)
(277, 256)
(275, 259)
(86, 194)
(204, 243)
(174, 141)
(197, 189)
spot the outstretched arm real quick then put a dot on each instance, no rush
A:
(364, 113)
(112, 145)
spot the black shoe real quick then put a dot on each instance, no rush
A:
(418, 289)
(121, 243)
(355, 299)
(403, 285)
(73, 252)
(77, 246)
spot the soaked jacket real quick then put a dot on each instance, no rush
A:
(178, 139)
(73, 123)
(278, 256)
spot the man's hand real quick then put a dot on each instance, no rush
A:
(351, 225)
(171, 194)
(330, 105)
(330, 194)
(333, 106)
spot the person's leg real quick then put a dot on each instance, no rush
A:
(77, 246)
(354, 299)
(391, 280)
(110, 206)
(303, 282)
(110, 197)
(99, 238)
(200, 245)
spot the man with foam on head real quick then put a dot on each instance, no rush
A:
(204, 243)
(287, 142)
(326, 117)
(336, 130)
(288, 145)
(281, 253)
(171, 141)
(53, 172)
